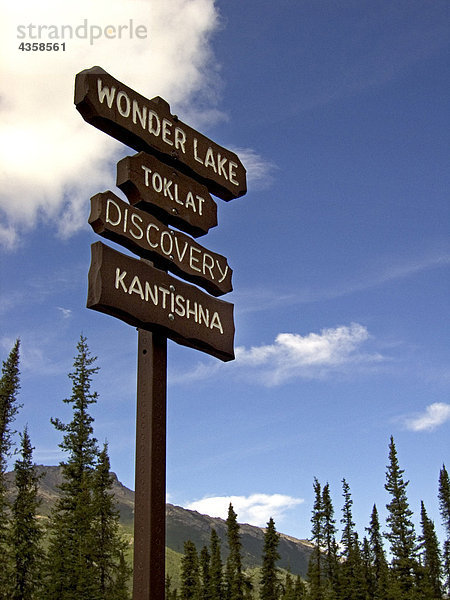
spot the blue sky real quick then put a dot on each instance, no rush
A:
(340, 249)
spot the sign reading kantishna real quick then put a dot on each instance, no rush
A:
(148, 298)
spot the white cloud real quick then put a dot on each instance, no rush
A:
(316, 354)
(199, 372)
(52, 161)
(65, 312)
(259, 170)
(435, 414)
(255, 509)
(292, 356)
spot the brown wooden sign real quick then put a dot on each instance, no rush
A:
(150, 299)
(148, 125)
(162, 190)
(114, 219)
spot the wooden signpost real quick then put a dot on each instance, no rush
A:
(167, 184)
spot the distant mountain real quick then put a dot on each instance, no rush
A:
(183, 525)
(51, 478)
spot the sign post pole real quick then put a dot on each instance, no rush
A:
(150, 478)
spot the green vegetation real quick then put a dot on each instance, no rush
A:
(78, 546)
(444, 504)
(80, 554)
(348, 569)
(25, 533)
(9, 388)
(269, 572)
(203, 579)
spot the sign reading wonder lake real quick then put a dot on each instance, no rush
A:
(148, 125)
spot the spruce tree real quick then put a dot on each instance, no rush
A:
(269, 573)
(293, 588)
(331, 557)
(444, 505)
(170, 594)
(352, 577)
(316, 565)
(444, 498)
(234, 577)
(359, 583)
(299, 589)
(401, 534)
(26, 533)
(190, 574)
(380, 569)
(430, 555)
(216, 567)
(9, 388)
(368, 571)
(205, 574)
(120, 588)
(109, 547)
(71, 572)
(167, 587)
(288, 588)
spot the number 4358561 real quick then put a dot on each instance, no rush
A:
(42, 46)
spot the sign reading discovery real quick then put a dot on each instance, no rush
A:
(148, 125)
(143, 234)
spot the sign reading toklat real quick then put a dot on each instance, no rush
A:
(167, 193)
(144, 235)
(148, 125)
(149, 298)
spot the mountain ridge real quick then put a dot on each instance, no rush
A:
(181, 524)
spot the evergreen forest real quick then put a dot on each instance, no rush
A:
(80, 554)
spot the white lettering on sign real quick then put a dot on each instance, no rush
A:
(169, 189)
(142, 115)
(163, 128)
(167, 242)
(217, 163)
(169, 300)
